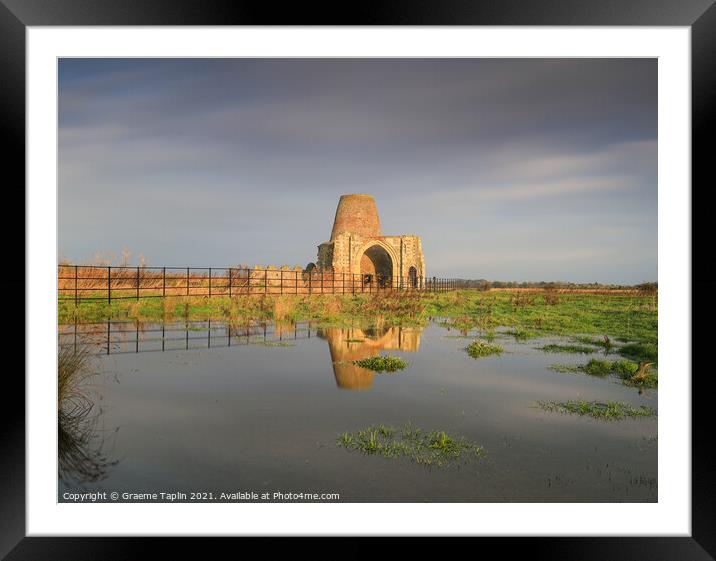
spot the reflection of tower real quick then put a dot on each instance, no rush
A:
(347, 345)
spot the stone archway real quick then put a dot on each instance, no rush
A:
(376, 267)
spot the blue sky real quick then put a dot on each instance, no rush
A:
(530, 169)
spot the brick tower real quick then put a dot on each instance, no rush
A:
(358, 247)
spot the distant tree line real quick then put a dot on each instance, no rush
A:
(484, 284)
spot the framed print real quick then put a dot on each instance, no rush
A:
(405, 274)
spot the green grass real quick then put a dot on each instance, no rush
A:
(624, 369)
(645, 352)
(382, 363)
(596, 342)
(607, 411)
(596, 367)
(574, 349)
(627, 317)
(478, 349)
(565, 368)
(521, 333)
(435, 448)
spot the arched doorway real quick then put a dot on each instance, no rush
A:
(413, 277)
(376, 267)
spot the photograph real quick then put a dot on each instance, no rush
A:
(358, 280)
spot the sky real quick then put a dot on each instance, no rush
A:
(509, 169)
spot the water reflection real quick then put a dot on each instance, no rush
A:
(82, 454)
(121, 337)
(81, 441)
(349, 344)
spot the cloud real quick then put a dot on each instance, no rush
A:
(211, 162)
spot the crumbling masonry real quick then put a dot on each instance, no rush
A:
(358, 247)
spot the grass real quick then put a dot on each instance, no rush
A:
(478, 349)
(382, 363)
(646, 352)
(565, 368)
(435, 448)
(575, 349)
(596, 367)
(81, 455)
(629, 372)
(607, 411)
(73, 374)
(625, 316)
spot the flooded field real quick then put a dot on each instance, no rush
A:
(188, 407)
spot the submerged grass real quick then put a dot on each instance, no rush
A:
(574, 349)
(608, 411)
(478, 349)
(435, 448)
(382, 363)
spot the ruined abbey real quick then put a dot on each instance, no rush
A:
(358, 247)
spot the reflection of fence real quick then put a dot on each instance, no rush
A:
(120, 337)
(84, 282)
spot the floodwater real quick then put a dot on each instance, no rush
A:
(184, 408)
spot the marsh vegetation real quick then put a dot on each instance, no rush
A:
(607, 411)
(382, 363)
(82, 454)
(429, 448)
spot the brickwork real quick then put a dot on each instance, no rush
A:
(357, 245)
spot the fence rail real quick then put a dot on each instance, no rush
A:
(122, 337)
(81, 283)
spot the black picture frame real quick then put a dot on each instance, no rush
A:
(699, 15)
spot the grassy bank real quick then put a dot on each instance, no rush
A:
(630, 317)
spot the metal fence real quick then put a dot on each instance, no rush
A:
(80, 283)
(124, 336)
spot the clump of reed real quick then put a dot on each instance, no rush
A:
(551, 297)
(631, 373)
(521, 299)
(73, 374)
(607, 411)
(433, 448)
(81, 448)
(396, 307)
(574, 349)
(478, 349)
(382, 363)
(284, 308)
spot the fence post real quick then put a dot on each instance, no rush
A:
(187, 282)
(248, 281)
(137, 283)
(164, 282)
(109, 285)
(281, 281)
(265, 281)
(321, 282)
(229, 298)
(309, 282)
(209, 282)
(75, 288)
